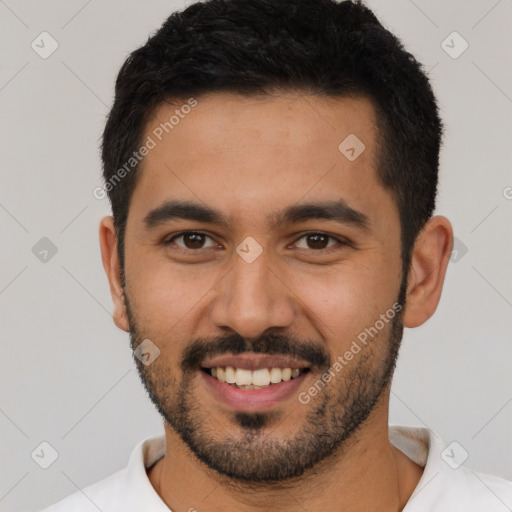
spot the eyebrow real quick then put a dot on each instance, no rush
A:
(338, 211)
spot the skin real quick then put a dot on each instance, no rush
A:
(248, 156)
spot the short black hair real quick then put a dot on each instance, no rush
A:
(320, 47)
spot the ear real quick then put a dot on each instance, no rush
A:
(112, 266)
(430, 257)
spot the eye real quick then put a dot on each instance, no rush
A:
(319, 241)
(191, 240)
(196, 240)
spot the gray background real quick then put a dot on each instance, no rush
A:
(67, 375)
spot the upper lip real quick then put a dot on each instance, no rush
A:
(255, 362)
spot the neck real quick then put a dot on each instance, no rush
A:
(370, 473)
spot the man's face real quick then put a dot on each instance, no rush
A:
(299, 286)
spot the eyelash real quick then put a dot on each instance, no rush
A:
(341, 241)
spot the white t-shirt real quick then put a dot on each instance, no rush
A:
(445, 486)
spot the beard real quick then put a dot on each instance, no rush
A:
(247, 452)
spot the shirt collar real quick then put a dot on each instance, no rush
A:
(142, 494)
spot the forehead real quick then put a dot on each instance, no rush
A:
(247, 152)
(226, 121)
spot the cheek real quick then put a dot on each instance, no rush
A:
(344, 301)
(165, 295)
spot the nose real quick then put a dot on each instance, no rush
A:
(252, 298)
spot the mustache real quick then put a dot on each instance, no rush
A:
(270, 344)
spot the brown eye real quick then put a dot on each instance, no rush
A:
(318, 241)
(191, 240)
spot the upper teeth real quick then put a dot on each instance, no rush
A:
(260, 377)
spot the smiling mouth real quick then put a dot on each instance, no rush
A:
(253, 379)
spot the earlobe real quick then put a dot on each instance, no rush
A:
(429, 261)
(112, 266)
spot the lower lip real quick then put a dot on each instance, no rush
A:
(252, 399)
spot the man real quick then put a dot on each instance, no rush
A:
(272, 168)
